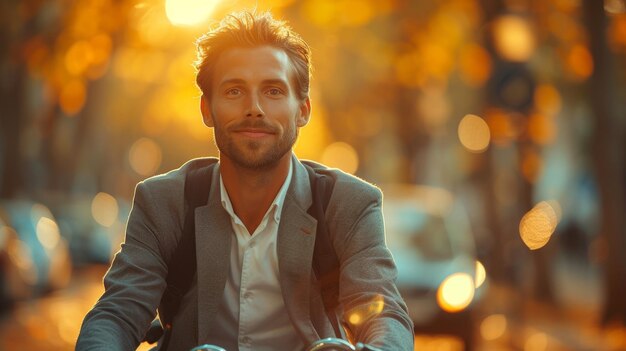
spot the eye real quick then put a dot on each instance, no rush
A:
(233, 92)
(274, 91)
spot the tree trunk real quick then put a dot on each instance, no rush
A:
(608, 148)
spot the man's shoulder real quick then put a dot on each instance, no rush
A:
(345, 183)
(176, 178)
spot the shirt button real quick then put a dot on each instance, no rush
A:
(245, 340)
(247, 295)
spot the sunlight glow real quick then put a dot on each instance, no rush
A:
(189, 12)
(456, 292)
(339, 12)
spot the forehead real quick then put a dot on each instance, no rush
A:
(252, 65)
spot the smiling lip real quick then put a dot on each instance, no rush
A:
(254, 133)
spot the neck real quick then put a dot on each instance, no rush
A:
(252, 191)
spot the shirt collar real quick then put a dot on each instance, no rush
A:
(277, 204)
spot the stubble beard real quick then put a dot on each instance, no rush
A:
(250, 154)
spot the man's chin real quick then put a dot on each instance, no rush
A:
(257, 161)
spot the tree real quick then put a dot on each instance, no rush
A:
(608, 151)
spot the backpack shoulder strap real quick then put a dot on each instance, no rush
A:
(325, 261)
(182, 264)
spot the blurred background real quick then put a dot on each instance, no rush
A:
(495, 127)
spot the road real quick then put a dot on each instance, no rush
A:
(505, 321)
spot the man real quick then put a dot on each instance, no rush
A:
(255, 288)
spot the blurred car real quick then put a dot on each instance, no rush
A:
(35, 246)
(94, 225)
(17, 270)
(431, 241)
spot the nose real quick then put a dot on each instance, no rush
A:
(254, 107)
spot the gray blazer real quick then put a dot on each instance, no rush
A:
(136, 280)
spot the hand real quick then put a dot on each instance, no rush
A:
(364, 347)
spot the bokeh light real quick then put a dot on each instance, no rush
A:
(434, 108)
(493, 327)
(532, 164)
(481, 274)
(513, 38)
(579, 62)
(101, 46)
(456, 292)
(410, 70)
(547, 99)
(48, 233)
(73, 96)
(104, 209)
(79, 57)
(474, 65)
(366, 311)
(474, 133)
(145, 156)
(538, 225)
(341, 155)
(542, 129)
(617, 32)
(502, 127)
(614, 6)
(536, 342)
(20, 256)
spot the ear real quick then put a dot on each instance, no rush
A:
(205, 108)
(305, 112)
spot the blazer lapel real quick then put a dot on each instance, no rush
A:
(213, 239)
(296, 241)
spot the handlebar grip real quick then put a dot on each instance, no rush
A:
(331, 344)
(207, 347)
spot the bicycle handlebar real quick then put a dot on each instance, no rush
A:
(319, 345)
(207, 347)
(331, 344)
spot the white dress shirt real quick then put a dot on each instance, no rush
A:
(252, 314)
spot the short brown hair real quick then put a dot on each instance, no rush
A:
(246, 29)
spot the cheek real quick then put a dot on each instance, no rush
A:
(225, 111)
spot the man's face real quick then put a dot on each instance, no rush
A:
(254, 107)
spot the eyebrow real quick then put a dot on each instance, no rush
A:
(265, 81)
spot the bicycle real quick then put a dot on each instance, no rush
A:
(327, 344)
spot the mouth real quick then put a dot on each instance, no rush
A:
(254, 133)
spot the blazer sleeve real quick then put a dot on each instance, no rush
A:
(373, 310)
(135, 281)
